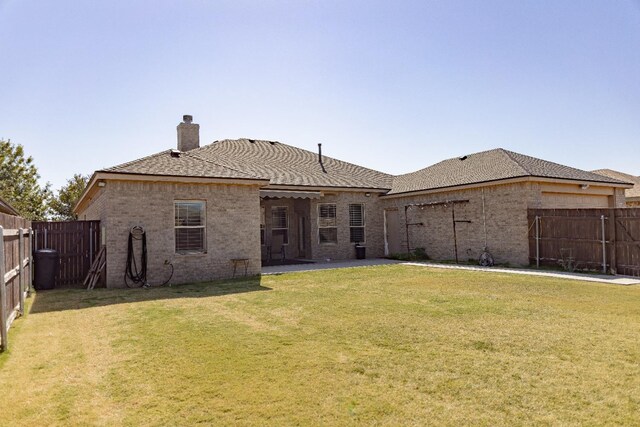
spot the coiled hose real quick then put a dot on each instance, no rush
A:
(133, 277)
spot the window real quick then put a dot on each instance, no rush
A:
(280, 223)
(356, 223)
(262, 224)
(327, 224)
(190, 226)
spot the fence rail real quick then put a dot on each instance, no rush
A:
(16, 271)
(606, 240)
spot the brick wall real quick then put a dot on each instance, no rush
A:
(233, 224)
(96, 208)
(344, 249)
(232, 228)
(505, 216)
(619, 199)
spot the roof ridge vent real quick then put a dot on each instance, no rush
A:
(463, 158)
(175, 153)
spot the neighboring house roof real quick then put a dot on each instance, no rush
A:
(488, 166)
(6, 208)
(282, 164)
(635, 180)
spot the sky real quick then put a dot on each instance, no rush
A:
(395, 86)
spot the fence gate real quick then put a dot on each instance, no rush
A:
(77, 243)
(605, 240)
(626, 252)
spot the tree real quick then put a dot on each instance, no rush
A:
(19, 182)
(67, 197)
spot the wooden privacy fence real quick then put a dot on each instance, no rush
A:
(606, 240)
(16, 270)
(77, 243)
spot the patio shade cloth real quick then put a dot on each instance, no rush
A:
(290, 194)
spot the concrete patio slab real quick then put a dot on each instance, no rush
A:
(601, 278)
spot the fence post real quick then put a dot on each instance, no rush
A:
(613, 261)
(21, 268)
(30, 284)
(3, 296)
(91, 239)
(604, 246)
(537, 241)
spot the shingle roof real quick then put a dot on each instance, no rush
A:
(635, 180)
(5, 207)
(283, 164)
(186, 164)
(287, 165)
(487, 166)
(247, 158)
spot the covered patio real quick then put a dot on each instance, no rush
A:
(285, 226)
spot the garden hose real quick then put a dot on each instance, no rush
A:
(134, 277)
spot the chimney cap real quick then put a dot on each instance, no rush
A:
(187, 118)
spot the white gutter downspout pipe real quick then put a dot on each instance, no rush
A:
(604, 247)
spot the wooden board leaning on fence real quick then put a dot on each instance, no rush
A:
(96, 269)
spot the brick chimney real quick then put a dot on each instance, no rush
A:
(188, 134)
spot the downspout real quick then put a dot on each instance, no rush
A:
(406, 226)
(604, 247)
(455, 239)
(484, 221)
(537, 241)
(386, 237)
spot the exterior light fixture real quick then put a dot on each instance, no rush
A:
(101, 183)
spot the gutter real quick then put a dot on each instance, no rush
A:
(504, 181)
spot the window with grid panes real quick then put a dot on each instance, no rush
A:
(190, 226)
(327, 223)
(280, 223)
(356, 223)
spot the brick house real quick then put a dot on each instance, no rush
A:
(487, 194)
(632, 195)
(260, 200)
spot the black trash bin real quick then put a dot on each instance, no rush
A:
(361, 251)
(45, 268)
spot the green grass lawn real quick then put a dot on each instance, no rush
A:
(388, 345)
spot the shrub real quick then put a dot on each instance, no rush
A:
(418, 254)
